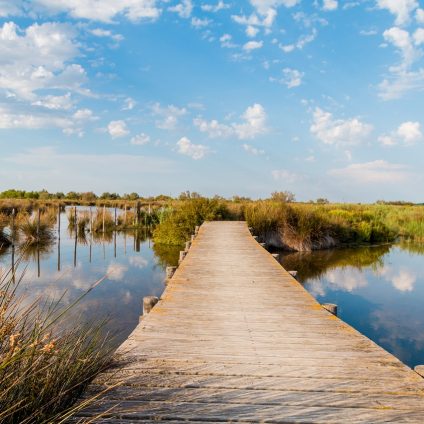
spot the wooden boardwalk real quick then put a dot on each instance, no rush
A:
(236, 338)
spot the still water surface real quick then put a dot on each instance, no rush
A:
(379, 290)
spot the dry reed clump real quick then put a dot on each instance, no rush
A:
(36, 228)
(43, 370)
(7, 206)
(4, 238)
(83, 222)
(103, 221)
(126, 220)
(305, 227)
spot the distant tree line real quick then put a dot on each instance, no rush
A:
(87, 196)
(90, 196)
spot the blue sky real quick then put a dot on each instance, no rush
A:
(323, 98)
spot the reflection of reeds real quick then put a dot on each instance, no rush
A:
(32, 251)
(100, 237)
(313, 265)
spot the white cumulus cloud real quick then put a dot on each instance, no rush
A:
(38, 58)
(213, 128)
(402, 9)
(291, 78)
(117, 129)
(338, 131)
(407, 133)
(253, 123)
(330, 4)
(213, 8)
(195, 151)
(252, 45)
(101, 10)
(183, 9)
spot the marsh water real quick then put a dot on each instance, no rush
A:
(379, 289)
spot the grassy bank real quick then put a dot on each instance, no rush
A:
(278, 222)
(43, 370)
(297, 226)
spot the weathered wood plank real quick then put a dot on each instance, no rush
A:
(235, 338)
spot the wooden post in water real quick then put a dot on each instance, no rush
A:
(114, 244)
(58, 221)
(103, 223)
(148, 303)
(12, 230)
(125, 217)
(137, 213)
(330, 307)
(76, 237)
(170, 271)
(38, 261)
(91, 221)
(75, 219)
(58, 254)
(150, 218)
(115, 222)
(38, 224)
(58, 238)
(183, 254)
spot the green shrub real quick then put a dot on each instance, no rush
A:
(178, 222)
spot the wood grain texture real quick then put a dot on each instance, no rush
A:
(234, 337)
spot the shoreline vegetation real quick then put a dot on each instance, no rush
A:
(45, 365)
(278, 221)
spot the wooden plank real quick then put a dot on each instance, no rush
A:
(235, 338)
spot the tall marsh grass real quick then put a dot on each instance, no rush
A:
(35, 229)
(43, 369)
(4, 238)
(178, 222)
(296, 226)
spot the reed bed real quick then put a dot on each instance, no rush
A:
(103, 221)
(296, 226)
(43, 370)
(4, 238)
(36, 228)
